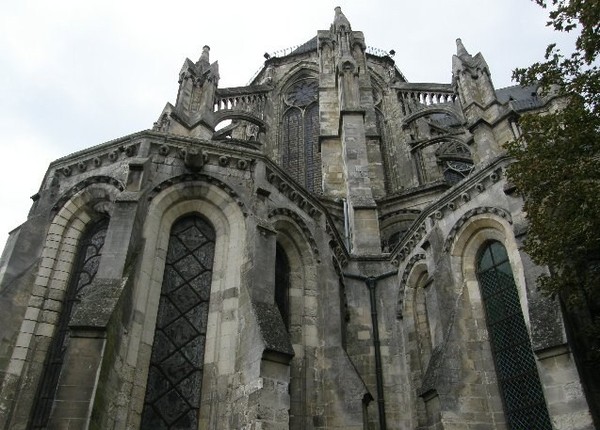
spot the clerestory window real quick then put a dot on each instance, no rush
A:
(299, 152)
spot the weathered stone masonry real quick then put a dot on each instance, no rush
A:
(251, 240)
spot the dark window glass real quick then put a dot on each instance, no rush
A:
(85, 268)
(282, 285)
(519, 383)
(175, 375)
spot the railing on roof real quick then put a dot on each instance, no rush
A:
(253, 103)
(378, 52)
(255, 74)
(413, 97)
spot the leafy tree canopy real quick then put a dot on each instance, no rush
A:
(577, 72)
(557, 160)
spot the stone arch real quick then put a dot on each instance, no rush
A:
(293, 240)
(468, 239)
(418, 341)
(224, 214)
(429, 110)
(233, 114)
(92, 180)
(57, 261)
(471, 238)
(304, 69)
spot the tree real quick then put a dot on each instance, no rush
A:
(557, 170)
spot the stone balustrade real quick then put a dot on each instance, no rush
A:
(414, 97)
(242, 99)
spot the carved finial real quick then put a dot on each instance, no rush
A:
(204, 55)
(461, 51)
(340, 22)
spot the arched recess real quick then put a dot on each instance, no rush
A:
(418, 339)
(216, 206)
(474, 238)
(91, 205)
(292, 241)
(299, 151)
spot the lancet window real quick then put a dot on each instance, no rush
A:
(300, 155)
(175, 377)
(516, 370)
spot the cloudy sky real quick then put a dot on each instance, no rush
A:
(78, 73)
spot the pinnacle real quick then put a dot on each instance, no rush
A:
(461, 51)
(340, 22)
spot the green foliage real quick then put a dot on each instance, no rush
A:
(558, 170)
(557, 162)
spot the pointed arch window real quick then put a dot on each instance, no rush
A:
(300, 155)
(175, 377)
(87, 261)
(518, 379)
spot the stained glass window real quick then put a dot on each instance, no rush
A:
(85, 269)
(175, 376)
(518, 379)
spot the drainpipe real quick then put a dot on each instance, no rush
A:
(371, 283)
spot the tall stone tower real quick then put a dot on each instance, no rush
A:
(329, 247)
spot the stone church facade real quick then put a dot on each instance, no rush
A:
(344, 253)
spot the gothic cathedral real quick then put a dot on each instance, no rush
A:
(328, 247)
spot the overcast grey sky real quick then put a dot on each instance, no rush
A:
(78, 73)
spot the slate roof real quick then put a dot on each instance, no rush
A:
(522, 98)
(311, 45)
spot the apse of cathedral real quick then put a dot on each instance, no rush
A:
(328, 247)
